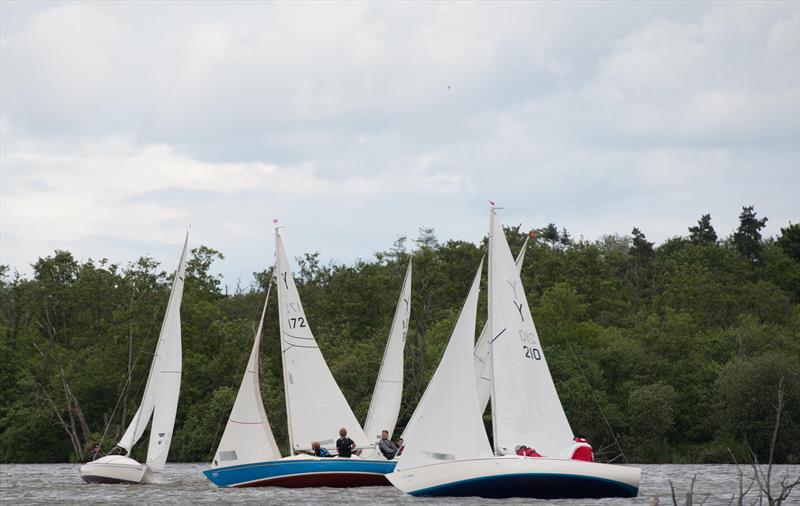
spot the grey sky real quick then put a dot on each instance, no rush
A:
(354, 123)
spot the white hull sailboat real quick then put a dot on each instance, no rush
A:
(316, 409)
(515, 476)
(447, 450)
(160, 400)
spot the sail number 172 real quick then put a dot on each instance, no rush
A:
(297, 322)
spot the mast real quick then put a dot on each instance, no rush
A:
(490, 293)
(280, 342)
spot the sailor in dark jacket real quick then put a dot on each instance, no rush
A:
(387, 447)
(344, 445)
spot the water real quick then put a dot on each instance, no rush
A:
(184, 484)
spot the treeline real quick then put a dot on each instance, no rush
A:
(660, 354)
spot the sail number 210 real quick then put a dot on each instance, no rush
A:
(530, 350)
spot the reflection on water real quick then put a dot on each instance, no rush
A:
(183, 484)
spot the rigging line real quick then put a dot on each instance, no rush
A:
(119, 399)
(597, 403)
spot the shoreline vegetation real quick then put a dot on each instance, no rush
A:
(674, 353)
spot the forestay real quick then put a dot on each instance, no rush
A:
(525, 405)
(483, 363)
(315, 406)
(447, 425)
(248, 437)
(385, 405)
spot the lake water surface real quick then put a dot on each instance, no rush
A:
(184, 484)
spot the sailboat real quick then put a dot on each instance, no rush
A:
(447, 451)
(316, 409)
(160, 400)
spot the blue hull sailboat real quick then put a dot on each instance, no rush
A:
(248, 455)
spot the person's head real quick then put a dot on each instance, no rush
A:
(384, 434)
(342, 432)
(315, 445)
(400, 440)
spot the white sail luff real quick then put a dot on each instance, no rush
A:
(525, 405)
(387, 396)
(315, 407)
(140, 420)
(167, 372)
(248, 436)
(483, 363)
(447, 425)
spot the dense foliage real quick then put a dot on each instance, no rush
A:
(674, 350)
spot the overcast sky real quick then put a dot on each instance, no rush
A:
(355, 123)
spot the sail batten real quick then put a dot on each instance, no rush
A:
(387, 396)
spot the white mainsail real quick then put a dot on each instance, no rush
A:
(248, 436)
(525, 405)
(385, 405)
(315, 406)
(447, 425)
(483, 363)
(161, 391)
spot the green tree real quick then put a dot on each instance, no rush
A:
(651, 418)
(789, 240)
(703, 232)
(747, 390)
(642, 254)
(747, 238)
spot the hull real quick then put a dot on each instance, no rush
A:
(297, 472)
(504, 477)
(113, 469)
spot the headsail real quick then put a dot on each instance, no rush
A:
(167, 374)
(447, 424)
(315, 406)
(248, 437)
(170, 327)
(483, 363)
(525, 405)
(385, 404)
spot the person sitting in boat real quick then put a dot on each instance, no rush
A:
(400, 446)
(387, 447)
(525, 451)
(344, 445)
(95, 452)
(581, 450)
(319, 451)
